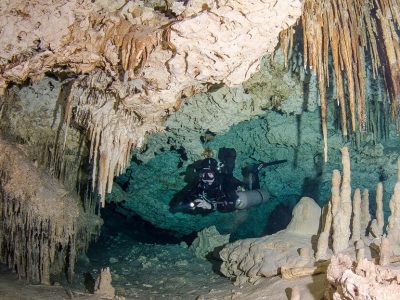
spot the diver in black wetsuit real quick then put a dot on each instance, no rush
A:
(217, 190)
(214, 190)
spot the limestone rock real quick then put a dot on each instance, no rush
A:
(207, 240)
(365, 281)
(150, 62)
(103, 287)
(323, 239)
(365, 216)
(306, 217)
(34, 117)
(356, 219)
(42, 225)
(250, 259)
(345, 207)
(393, 233)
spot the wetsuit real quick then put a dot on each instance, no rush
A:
(221, 194)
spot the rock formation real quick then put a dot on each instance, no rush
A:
(129, 67)
(302, 222)
(250, 259)
(336, 179)
(323, 238)
(344, 212)
(384, 252)
(363, 280)
(245, 260)
(207, 241)
(380, 220)
(393, 226)
(43, 225)
(356, 218)
(33, 117)
(365, 216)
(149, 62)
(103, 287)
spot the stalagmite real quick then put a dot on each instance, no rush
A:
(360, 251)
(345, 191)
(376, 227)
(384, 253)
(103, 287)
(341, 205)
(356, 232)
(379, 208)
(323, 239)
(393, 232)
(365, 216)
(336, 178)
(295, 294)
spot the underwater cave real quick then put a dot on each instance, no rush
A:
(199, 149)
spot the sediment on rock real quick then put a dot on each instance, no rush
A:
(42, 226)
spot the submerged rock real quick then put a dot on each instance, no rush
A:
(207, 241)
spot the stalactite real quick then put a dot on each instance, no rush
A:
(351, 29)
(113, 129)
(109, 124)
(59, 150)
(286, 44)
(41, 223)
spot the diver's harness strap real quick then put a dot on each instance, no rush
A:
(213, 204)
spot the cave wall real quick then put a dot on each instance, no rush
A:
(33, 116)
(273, 87)
(43, 226)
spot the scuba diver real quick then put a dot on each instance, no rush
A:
(218, 189)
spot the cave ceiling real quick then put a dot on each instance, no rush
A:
(129, 68)
(135, 63)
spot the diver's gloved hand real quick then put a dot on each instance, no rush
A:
(202, 204)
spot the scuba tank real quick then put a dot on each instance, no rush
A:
(251, 198)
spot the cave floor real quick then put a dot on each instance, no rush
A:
(143, 269)
(311, 288)
(157, 271)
